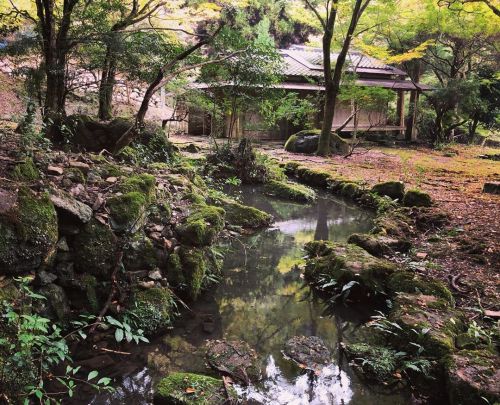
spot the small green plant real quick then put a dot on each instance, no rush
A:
(31, 347)
(480, 334)
(233, 181)
(124, 330)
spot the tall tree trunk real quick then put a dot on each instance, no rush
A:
(332, 82)
(107, 84)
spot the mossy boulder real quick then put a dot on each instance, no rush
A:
(234, 358)
(392, 189)
(57, 301)
(351, 190)
(141, 183)
(417, 198)
(313, 177)
(202, 226)
(473, 377)
(140, 253)
(306, 141)
(245, 216)
(289, 191)
(26, 171)
(395, 223)
(127, 211)
(192, 389)
(408, 282)
(376, 363)
(345, 263)
(195, 265)
(28, 231)
(94, 250)
(152, 309)
(379, 245)
(175, 275)
(379, 203)
(426, 320)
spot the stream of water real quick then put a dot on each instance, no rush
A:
(262, 300)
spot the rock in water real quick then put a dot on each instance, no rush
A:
(309, 352)
(234, 358)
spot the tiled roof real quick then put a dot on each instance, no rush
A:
(308, 61)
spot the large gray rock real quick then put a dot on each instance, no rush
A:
(307, 142)
(70, 205)
(491, 188)
(392, 189)
(309, 352)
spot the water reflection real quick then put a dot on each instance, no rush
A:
(332, 386)
(262, 300)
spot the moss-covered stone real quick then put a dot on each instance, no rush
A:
(381, 204)
(175, 276)
(473, 377)
(407, 282)
(89, 285)
(344, 263)
(192, 389)
(416, 198)
(392, 189)
(58, 301)
(289, 191)
(110, 170)
(140, 253)
(312, 177)
(245, 216)
(195, 266)
(94, 249)
(306, 141)
(202, 225)
(129, 155)
(194, 198)
(128, 211)
(379, 245)
(351, 190)
(394, 223)
(26, 171)
(428, 321)
(152, 309)
(75, 175)
(28, 233)
(375, 362)
(140, 183)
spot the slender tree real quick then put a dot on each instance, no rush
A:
(332, 76)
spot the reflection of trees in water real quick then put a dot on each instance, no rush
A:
(252, 271)
(321, 232)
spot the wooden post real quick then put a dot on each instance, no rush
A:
(414, 117)
(401, 111)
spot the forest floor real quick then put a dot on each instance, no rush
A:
(466, 252)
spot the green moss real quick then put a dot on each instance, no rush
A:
(26, 171)
(202, 225)
(175, 276)
(140, 253)
(89, 285)
(195, 266)
(94, 250)
(416, 313)
(344, 263)
(28, 233)
(472, 377)
(376, 362)
(141, 183)
(351, 190)
(289, 191)
(129, 155)
(194, 198)
(245, 216)
(158, 166)
(192, 389)
(392, 189)
(291, 168)
(127, 211)
(152, 309)
(111, 170)
(311, 177)
(75, 175)
(416, 198)
(404, 281)
(290, 143)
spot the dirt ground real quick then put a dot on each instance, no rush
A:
(466, 253)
